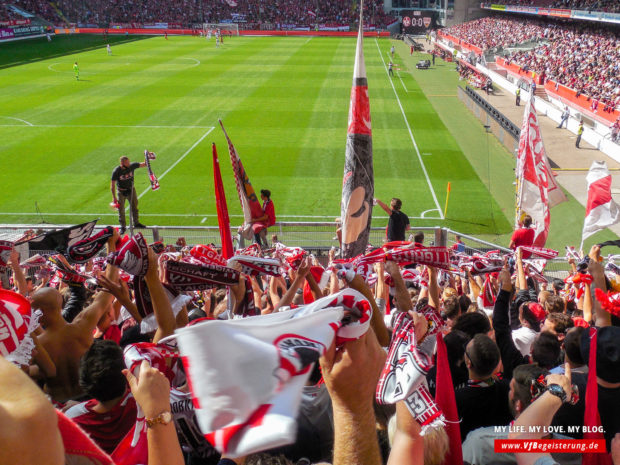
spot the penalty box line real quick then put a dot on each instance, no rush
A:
(415, 145)
(178, 160)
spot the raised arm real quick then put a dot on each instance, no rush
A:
(403, 301)
(433, 289)
(120, 291)
(18, 273)
(521, 279)
(601, 317)
(152, 393)
(376, 321)
(355, 437)
(538, 416)
(87, 320)
(287, 298)
(408, 445)
(166, 323)
(511, 357)
(387, 209)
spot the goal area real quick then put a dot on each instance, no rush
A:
(226, 28)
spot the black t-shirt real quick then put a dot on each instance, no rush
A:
(482, 406)
(124, 177)
(609, 409)
(396, 226)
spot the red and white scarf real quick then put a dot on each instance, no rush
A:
(148, 156)
(405, 371)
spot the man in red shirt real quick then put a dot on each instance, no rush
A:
(523, 236)
(268, 218)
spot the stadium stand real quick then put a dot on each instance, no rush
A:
(185, 13)
(581, 57)
(610, 6)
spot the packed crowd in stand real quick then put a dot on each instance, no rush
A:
(491, 33)
(188, 12)
(610, 6)
(580, 57)
(88, 334)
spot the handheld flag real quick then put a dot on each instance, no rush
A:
(358, 181)
(148, 156)
(249, 202)
(223, 220)
(601, 210)
(61, 239)
(537, 189)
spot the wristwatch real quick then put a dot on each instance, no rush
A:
(162, 419)
(558, 391)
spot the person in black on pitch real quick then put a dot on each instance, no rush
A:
(122, 181)
(398, 222)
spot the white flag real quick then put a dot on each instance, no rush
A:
(538, 191)
(601, 210)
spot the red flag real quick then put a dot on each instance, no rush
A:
(358, 181)
(538, 191)
(444, 396)
(601, 210)
(222, 209)
(592, 418)
(249, 202)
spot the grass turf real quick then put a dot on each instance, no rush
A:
(284, 102)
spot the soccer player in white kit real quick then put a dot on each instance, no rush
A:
(109, 49)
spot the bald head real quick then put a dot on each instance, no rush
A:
(47, 300)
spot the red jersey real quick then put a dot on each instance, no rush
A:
(106, 429)
(270, 212)
(523, 236)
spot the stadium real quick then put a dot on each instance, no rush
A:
(311, 231)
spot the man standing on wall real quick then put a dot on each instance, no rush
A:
(122, 182)
(398, 222)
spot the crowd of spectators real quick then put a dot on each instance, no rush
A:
(493, 33)
(582, 57)
(611, 6)
(40, 8)
(189, 12)
(517, 347)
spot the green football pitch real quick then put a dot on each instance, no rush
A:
(284, 102)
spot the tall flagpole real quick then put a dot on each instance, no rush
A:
(358, 179)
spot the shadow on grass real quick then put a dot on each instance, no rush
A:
(30, 51)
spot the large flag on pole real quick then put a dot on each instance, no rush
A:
(537, 189)
(249, 202)
(222, 209)
(601, 210)
(358, 181)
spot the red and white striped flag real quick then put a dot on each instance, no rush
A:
(601, 210)
(538, 191)
(312, 13)
(249, 202)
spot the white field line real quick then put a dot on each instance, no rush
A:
(178, 160)
(119, 126)
(401, 81)
(28, 123)
(415, 145)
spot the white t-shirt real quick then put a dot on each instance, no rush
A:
(523, 339)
